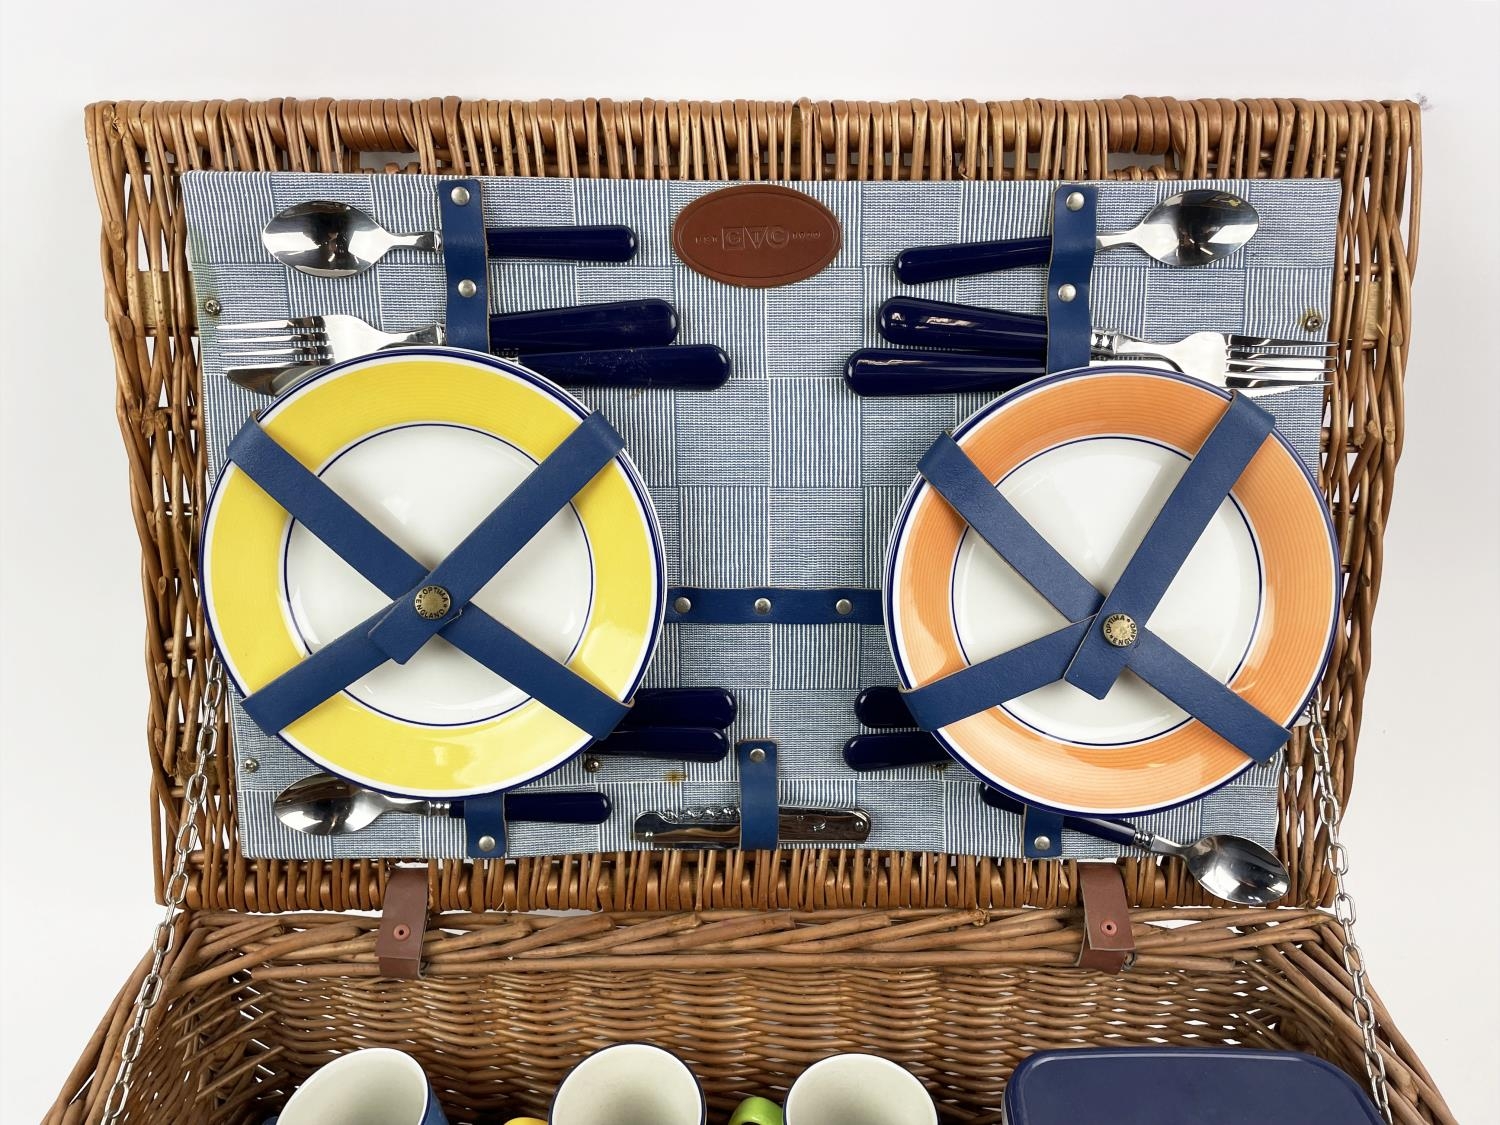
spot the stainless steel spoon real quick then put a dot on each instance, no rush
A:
(325, 805)
(329, 239)
(1190, 229)
(1228, 867)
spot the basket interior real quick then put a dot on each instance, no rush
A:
(255, 1005)
(139, 149)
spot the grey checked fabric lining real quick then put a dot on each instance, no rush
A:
(782, 477)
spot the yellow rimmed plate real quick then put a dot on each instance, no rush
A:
(425, 443)
(1089, 458)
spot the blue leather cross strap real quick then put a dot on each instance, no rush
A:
(774, 606)
(395, 573)
(980, 686)
(500, 535)
(1074, 239)
(760, 802)
(465, 264)
(1225, 453)
(970, 493)
(1178, 526)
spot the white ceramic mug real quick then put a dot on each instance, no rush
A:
(376, 1086)
(843, 1089)
(629, 1084)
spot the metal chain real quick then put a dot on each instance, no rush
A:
(195, 794)
(1329, 815)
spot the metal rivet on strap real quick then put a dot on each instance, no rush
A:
(843, 607)
(682, 605)
(1120, 630)
(250, 765)
(591, 764)
(757, 755)
(1066, 293)
(459, 195)
(1042, 843)
(432, 602)
(762, 606)
(212, 306)
(1074, 202)
(467, 288)
(486, 843)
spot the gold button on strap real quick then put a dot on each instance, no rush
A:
(1120, 630)
(432, 602)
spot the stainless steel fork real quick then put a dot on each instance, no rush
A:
(315, 341)
(310, 341)
(1211, 356)
(1215, 357)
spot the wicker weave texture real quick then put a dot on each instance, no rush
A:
(138, 149)
(749, 999)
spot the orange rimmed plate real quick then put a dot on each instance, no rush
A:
(1088, 458)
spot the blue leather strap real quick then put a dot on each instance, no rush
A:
(1041, 833)
(465, 264)
(774, 606)
(996, 680)
(1074, 235)
(977, 688)
(1209, 476)
(546, 490)
(1205, 698)
(760, 802)
(311, 502)
(484, 824)
(971, 494)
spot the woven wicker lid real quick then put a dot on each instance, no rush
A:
(1372, 146)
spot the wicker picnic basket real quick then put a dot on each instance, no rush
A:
(748, 965)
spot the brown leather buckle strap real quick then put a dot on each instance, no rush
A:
(403, 923)
(1108, 940)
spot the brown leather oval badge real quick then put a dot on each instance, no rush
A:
(757, 235)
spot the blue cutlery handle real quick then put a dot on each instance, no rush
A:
(891, 751)
(700, 367)
(960, 259)
(681, 707)
(677, 744)
(561, 807)
(877, 372)
(882, 706)
(942, 324)
(579, 244)
(639, 323)
(1115, 831)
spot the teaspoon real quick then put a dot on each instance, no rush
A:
(329, 239)
(325, 805)
(1228, 867)
(1191, 229)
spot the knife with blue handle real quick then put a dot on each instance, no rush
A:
(939, 263)
(681, 707)
(883, 706)
(677, 744)
(884, 372)
(643, 323)
(865, 752)
(700, 367)
(941, 324)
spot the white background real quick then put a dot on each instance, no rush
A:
(77, 908)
